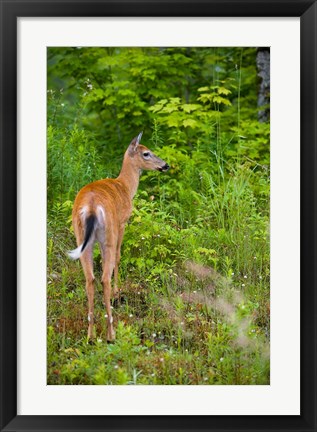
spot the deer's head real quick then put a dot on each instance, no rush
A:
(144, 158)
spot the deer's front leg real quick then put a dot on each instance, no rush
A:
(117, 261)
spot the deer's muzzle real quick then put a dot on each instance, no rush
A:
(164, 168)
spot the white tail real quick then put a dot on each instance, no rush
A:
(101, 210)
(75, 253)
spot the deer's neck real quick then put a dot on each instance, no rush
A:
(129, 176)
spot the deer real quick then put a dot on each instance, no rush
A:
(100, 213)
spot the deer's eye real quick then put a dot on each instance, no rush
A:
(146, 155)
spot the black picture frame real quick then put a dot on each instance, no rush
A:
(10, 11)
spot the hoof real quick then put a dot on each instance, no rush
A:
(90, 335)
(111, 335)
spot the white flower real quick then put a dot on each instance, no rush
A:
(116, 366)
(154, 335)
(130, 316)
(221, 359)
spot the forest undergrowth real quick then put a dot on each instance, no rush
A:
(194, 272)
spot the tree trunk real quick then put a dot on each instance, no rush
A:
(263, 66)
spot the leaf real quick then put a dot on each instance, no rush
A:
(169, 109)
(109, 101)
(207, 97)
(221, 100)
(203, 89)
(172, 122)
(223, 90)
(190, 123)
(190, 107)
(156, 108)
(175, 100)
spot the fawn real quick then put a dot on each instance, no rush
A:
(101, 210)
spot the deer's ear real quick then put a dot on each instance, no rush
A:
(134, 144)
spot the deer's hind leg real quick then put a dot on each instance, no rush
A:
(88, 267)
(87, 263)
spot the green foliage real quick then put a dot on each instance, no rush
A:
(195, 257)
(72, 162)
